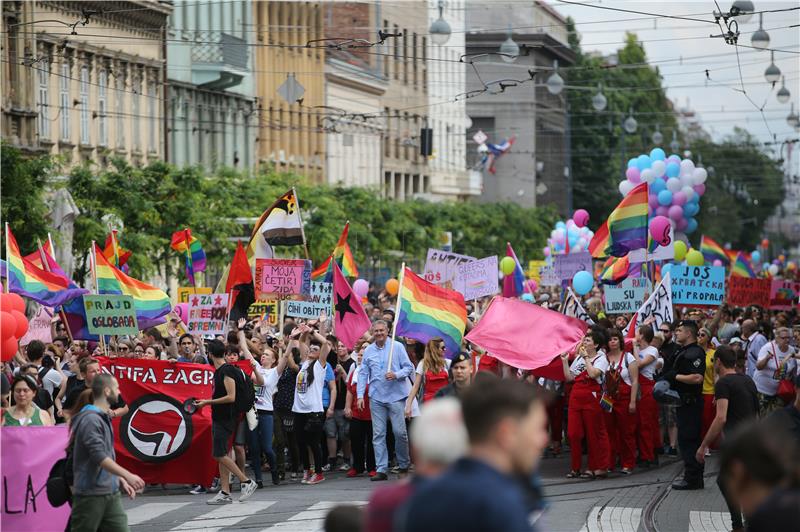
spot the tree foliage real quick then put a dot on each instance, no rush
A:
(22, 195)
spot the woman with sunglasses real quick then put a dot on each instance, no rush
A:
(125, 349)
(431, 374)
(24, 412)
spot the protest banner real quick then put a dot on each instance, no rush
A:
(548, 277)
(534, 267)
(477, 278)
(266, 310)
(39, 327)
(278, 279)
(783, 294)
(110, 314)
(627, 296)
(572, 307)
(28, 456)
(744, 291)
(184, 292)
(697, 285)
(441, 267)
(658, 307)
(207, 314)
(568, 265)
(659, 253)
(320, 300)
(158, 438)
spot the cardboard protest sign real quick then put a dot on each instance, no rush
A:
(627, 296)
(744, 291)
(783, 294)
(39, 327)
(320, 300)
(441, 267)
(207, 314)
(572, 307)
(660, 253)
(184, 292)
(282, 279)
(658, 306)
(697, 285)
(28, 456)
(477, 278)
(534, 267)
(568, 265)
(110, 314)
(548, 277)
(266, 310)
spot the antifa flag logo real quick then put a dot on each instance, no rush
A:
(156, 429)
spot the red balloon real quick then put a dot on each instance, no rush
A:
(22, 324)
(9, 302)
(8, 325)
(8, 349)
(765, 243)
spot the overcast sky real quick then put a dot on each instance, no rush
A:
(719, 107)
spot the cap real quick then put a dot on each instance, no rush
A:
(735, 340)
(460, 357)
(664, 394)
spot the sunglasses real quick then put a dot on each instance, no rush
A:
(123, 348)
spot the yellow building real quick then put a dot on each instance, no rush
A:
(89, 91)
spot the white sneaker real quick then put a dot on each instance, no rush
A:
(344, 467)
(198, 490)
(247, 489)
(220, 498)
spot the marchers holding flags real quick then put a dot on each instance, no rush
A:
(350, 320)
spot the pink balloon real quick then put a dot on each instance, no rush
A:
(717, 262)
(700, 189)
(679, 198)
(675, 213)
(182, 310)
(662, 210)
(682, 224)
(633, 175)
(361, 287)
(581, 217)
(652, 200)
(659, 230)
(532, 286)
(546, 252)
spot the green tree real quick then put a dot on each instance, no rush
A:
(22, 195)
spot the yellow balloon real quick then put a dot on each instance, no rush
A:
(507, 265)
(695, 258)
(680, 250)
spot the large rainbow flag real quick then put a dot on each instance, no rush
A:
(185, 243)
(742, 267)
(343, 257)
(626, 226)
(427, 311)
(151, 303)
(24, 278)
(712, 251)
(617, 269)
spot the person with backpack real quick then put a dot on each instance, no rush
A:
(48, 375)
(224, 416)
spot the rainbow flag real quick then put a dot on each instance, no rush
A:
(626, 226)
(343, 257)
(742, 267)
(35, 258)
(732, 254)
(617, 269)
(514, 284)
(114, 252)
(24, 278)
(151, 303)
(428, 311)
(713, 251)
(184, 242)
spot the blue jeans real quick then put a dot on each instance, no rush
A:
(395, 412)
(261, 440)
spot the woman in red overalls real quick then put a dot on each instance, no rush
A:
(585, 418)
(619, 402)
(647, 412)
(431, 374)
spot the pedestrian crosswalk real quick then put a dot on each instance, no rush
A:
(146, 512)
(222, 516)
(310, 520)
(709, 521)
(616, 518)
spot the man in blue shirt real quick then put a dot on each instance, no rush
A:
(388, 390)
(507, 426)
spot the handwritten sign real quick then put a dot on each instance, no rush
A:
(548, 277)
(628, 296)
(207, 313)
(477, 278)
(184, 292)
(320, 300)
(568, 265)
(698, 285)
(572, 307)
(441, 267)
(743, 291)
(658, 306)
(783, 294)
(110, 314)
(659, 253)
(25, 505)
(39, 327)
(282, 278)
(266, 310)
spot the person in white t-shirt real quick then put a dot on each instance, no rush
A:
(621, 387)
(647, 412)
(775, 362)
(261, 436)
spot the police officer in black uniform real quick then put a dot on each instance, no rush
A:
(686, 377)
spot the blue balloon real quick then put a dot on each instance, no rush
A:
(665, 269)
(631, 162)
(657, 186)
(561, 225)
(582, 282)
(527, 297)
(691, 226)
(657, 154)
(691, 209)
(673, 169)
(765, 266)
(755, 256)
(665, 197)
(643, 162)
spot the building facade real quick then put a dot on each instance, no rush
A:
(211, 108)
(87, 93)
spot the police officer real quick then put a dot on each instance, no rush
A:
(686, 377)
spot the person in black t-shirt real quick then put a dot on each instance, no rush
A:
(91, 369)
(337, 428)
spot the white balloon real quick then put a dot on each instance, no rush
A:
(689, 191)
(625, 187)
(683, 238)
(577, 249)
(699, 176)
(687, 180)
(659, 168)
(773, 269)
(673, 184)
(687, 166)
(648, 176)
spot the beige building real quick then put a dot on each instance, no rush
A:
(89, 95)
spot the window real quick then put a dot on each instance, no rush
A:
(135, 112)
(102, 108)
(64, 101)
(44, 100)
(385, 58)
(84, 93)
(405, 56)
(151, 116)
(120, 111)
(396, 42)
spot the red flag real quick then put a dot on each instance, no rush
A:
(523, 335)
(630, 338)
(240, 284)
(350, 320)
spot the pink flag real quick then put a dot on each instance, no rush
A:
(523, 335)
(350, 321)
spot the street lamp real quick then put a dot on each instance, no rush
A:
(674, 145)
(783, 94)
(760, 38)
(599, 101)
(630, 123)
(657, 137)
(743, 10)
(555, 83)
(509, 49)
(772, 73)
(793, 120)
(440, 30)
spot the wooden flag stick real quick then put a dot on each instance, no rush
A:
(93, 264)
(46, 265)
(300, 217)
(397, 313)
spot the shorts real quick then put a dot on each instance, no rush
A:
(668, 416)
(337, 425)
(220, 439)
(241, 433)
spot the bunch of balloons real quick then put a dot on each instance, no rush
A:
(675, 187)
(574, 231)
(13, 324)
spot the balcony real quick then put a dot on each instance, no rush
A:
(219, 60)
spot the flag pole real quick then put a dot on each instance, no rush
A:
(46, 265)
(187, 235)
(397, 314)
(300, 217)
(8, 262)
(93, 263)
